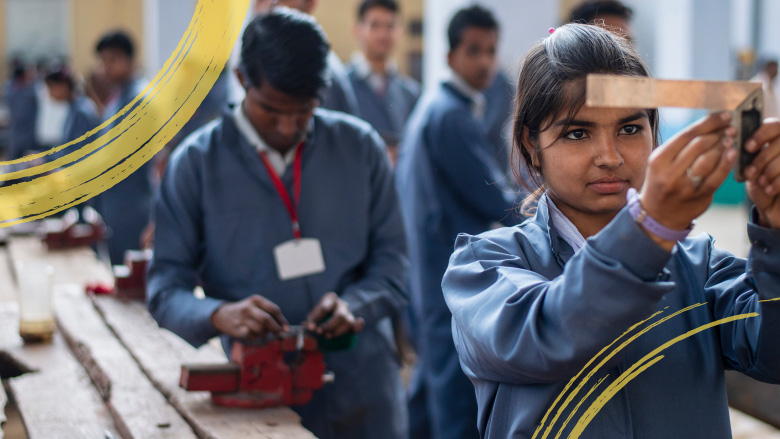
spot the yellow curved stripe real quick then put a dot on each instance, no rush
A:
(579, 387)
(598, 367)
(110, 155)
(639, 367)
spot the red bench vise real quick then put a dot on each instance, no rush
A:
(282, 371)
(68, 232)
(130, 278)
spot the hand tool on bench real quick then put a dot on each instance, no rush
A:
(744, 99)
(283, 370)
(73, 229)
(129, 279)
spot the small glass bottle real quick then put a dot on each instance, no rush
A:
(36, 307)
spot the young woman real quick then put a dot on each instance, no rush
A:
(533, 304)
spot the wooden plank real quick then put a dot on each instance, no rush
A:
(56, 401)
(161, 354)
(746, 427)
(140, 411)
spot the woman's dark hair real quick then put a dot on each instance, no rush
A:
(565, 57)
(288, 49)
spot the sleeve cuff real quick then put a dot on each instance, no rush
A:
(625, 241)
(764, 253)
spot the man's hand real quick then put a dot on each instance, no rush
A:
(253, 317)
(341, 320)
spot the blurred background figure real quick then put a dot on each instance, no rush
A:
(82, 113)
(610, 14)
(22, 101)
(385, 97)
(126, 207)
(449, 182)
(767, 76)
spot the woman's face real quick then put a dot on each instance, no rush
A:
(589, 165)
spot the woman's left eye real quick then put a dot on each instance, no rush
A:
(631, 129)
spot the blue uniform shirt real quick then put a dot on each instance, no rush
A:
(218, 219)
(22, 101)
(339, 96)
(449, 183)
(386, 112)
(529, 313)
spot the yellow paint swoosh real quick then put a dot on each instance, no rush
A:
(141, 129)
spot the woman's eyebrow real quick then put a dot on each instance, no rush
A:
(585, 123)
(633, 117)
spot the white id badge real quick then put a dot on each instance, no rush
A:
(298, 258)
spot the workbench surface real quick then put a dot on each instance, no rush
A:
(110, 371)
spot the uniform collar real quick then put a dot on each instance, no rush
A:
(562, 250)
(477, 98)
(363, 68)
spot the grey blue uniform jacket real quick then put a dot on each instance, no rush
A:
(449, 182)
(82, 117)
(218, 219)
(126, 207)
(388, 113)
(22, 101)
(339, 96)
(528, 314)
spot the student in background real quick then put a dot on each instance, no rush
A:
(21, 97)
(450, 183)
(82, 112)
(125, 207)
(385, 97)
(276, 175)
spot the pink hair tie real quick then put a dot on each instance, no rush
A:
(551, 31)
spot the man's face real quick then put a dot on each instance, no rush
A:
(117, 65)
(307, 6)
(378, 32)
(474, 59)
(281, 120)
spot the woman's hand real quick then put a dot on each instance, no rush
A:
(683, 173)
(763, 174)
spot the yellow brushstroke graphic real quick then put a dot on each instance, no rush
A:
(639, 367)
(635, 370)
(140, 130)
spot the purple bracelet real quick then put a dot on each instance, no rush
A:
(651, 225)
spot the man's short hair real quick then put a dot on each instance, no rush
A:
(116, 40)
(288, 49)
(587, 11)
(471, 17)
(365, 5)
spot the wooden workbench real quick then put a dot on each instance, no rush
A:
(110, 370)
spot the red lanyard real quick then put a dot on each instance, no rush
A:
(292, 209)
